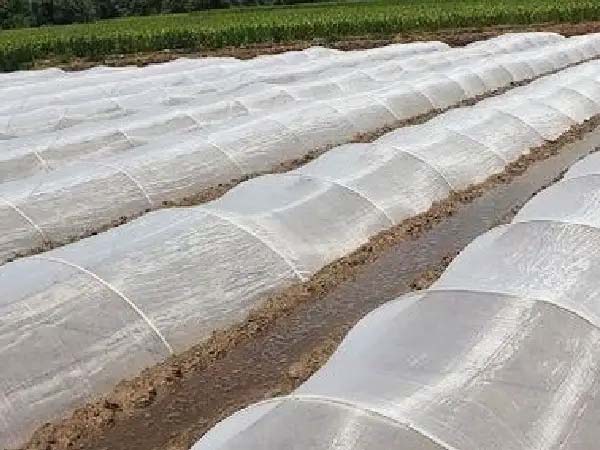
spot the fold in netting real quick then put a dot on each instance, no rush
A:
(227, 155)
(229, 218)
(520, 119)
(492, 152)
(345, 187)
(28, 219)
(341, 403)
(465, 136)
(131, 178)
(115, 291)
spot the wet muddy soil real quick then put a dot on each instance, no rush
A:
(282, 343)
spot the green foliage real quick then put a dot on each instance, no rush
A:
(214, 29)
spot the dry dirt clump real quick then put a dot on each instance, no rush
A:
(131, 397)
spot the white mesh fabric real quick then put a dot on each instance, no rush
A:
(179, 274)
(502, 352)
(454, 150)
(155, 112)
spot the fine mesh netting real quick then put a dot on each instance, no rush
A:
(121, 181)
(57, 138)
(503, 352)
(78, 318)
(124, 92)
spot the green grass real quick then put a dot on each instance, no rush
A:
(219, 28)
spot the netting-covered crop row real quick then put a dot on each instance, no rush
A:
(73, 87)
(217, 74)
(195, 87)
(207, 114)
(503, 352)
(78, 199)
(77, 319)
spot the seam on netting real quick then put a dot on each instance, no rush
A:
(569, 87)
(20, 212)
(368, 411)
(126, 136)
(461, 76)
(487, 147)
(540, 101)
(113, 289)
(522, 298)
(343, 115)
(258, 238)
(132, 179)
(532, 70)
(428, 164)
(528, 125)
(289, 130)
(417, 91)
(313, 398)
(345, 187)
(42, 161)
(383, 104)
(227, 155)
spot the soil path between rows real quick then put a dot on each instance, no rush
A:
(170, 406)
(454, 37)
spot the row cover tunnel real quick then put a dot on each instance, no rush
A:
(55, 194)
(502, 352)
(77, 319)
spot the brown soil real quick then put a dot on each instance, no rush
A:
(170, 405)
(455, 37)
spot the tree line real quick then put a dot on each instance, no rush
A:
(34, 13)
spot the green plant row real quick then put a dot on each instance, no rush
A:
(215, 29)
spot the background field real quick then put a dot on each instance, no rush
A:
(235, 27)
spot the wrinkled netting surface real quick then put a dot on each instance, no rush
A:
(172, 120)
(77, 319)
(94, 95)
(503, 352)
(61, 205)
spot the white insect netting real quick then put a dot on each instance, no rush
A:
(75, 320)
(164, 88)
(503, 352)
(133, 91)
(77, 199)
(203, 108)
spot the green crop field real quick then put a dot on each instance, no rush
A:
(219, 28)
